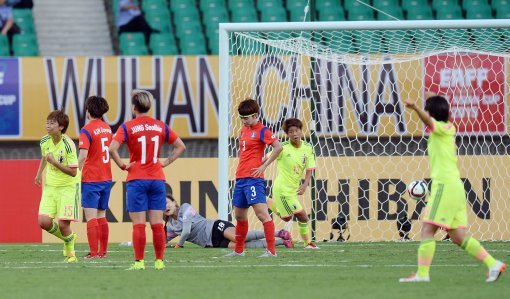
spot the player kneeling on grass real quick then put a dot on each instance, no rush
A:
(184, 221)
(296, 157)
(446, 207)
(61, 190)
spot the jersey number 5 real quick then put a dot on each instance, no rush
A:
(104, 148)
(154, 139)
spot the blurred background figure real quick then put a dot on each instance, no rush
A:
(21, 3)
(7, 25)
(131, 19)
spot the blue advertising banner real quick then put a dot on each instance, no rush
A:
(10, 100)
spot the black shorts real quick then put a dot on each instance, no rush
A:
(217, 238)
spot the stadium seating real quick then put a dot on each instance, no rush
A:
(25, 45)
(479, 12)
(244, 14)
(488, 39)
(181, 4)
(390, 13)
(163, 44)
(360, 13)
(474, 4)
(419, 13)
(457, 37)
(397, 42)
(159, 19)
(195, 22)
(268, 4)
(498, 4)
(4, 46)
(273, 14)
(414, 4)
(424, 39)
(193, 44)
(205, 5)
(503, 12)
(440, 4)
(332, 15)
(133, 44)
(149, 6)
(24, 19)
(452, 12)
(296, 10)
(344, 44)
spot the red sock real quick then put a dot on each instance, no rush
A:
(158, 240)
(139, 241)
(269, 233)
(104, 231)
(241, 231)
(93, 235)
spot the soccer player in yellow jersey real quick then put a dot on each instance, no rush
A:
(446, 207)
(61, 190)
(296, 157)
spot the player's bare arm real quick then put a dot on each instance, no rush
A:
(179, 148)
(71, 171)
(81, 158)
(114, 154)
(423, 115)
(38, 176)
(277, 149)
(306, 182)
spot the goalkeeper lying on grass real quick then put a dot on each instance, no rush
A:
(186, 222)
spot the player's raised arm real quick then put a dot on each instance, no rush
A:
(422, 114)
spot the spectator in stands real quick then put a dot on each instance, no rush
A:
(130, 19)
(7, 25)
(21, 3)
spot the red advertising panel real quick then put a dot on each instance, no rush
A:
(475, 86)
(19, 201)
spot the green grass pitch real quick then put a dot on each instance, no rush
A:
(337, 270)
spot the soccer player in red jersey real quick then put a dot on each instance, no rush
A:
(96, 180)
(250, 187)
(146, 191)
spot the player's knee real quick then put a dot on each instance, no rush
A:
(302, 217)
(45, 223)
(287, 219)
(263, 216)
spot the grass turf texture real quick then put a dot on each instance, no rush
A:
(337, 270)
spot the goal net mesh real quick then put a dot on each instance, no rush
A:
(348, 88)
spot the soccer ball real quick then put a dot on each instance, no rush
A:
(417, 190)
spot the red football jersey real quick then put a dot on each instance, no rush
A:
(144, 137)
(95, 137)
(252, 144)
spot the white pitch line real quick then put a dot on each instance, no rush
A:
(172, 266)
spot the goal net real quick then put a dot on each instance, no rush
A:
(347, 81)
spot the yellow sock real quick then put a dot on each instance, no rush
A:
(55, 230)
(425, 255)
(68, 238)
(304, 231)
(476, 250)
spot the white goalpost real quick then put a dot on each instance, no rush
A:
(347, 81)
